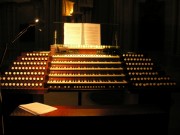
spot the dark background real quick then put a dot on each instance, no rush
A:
(148, 26)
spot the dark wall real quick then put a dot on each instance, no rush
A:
(103, 14)
(151, 25)
(141, 25)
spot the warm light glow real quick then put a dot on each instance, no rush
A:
(36, 20)
(68, 8)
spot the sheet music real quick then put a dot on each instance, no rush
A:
(37, 108)
(73, 33)
(82, 34)
(92, 34)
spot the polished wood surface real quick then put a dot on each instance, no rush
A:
(80, 111)
(130, 119)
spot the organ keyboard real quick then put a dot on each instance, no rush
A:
(83, 68)
(86, 72)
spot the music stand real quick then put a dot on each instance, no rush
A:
(2, 60)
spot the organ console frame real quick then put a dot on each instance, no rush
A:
(40, 66)
(61, 68)
(67, 68)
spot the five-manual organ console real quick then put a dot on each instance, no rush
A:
(94, 70)
(84, 68)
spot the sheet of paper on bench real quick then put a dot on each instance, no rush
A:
(37, 108)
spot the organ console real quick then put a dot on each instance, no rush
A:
(91, 69)
(84, 68)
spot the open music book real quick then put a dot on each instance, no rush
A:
(37, 108)
(82, 34)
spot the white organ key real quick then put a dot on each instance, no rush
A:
(86, 56)
(85, 62)
(85, 75)
(87, 82)
(93, 68)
